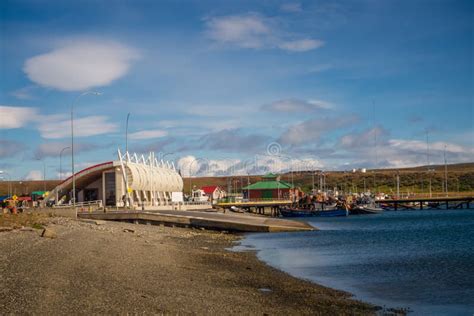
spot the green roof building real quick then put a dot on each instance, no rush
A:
(271, 188)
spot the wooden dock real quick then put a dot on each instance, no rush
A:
(206, 220)
(257, 207)
(428, 203)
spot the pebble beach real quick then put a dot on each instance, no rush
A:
(97, 267)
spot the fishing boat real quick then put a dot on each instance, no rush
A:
(295, 212)
(366, 209)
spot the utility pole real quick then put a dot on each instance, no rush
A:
(72, 146)
(398, 184)
(428, 159)
(445, 172)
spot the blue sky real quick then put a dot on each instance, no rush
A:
(235, 87)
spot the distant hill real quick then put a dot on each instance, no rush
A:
(415, 179)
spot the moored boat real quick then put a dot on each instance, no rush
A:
(365, 209)
(293, 212)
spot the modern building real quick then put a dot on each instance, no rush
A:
(132, 180)
(271, 188)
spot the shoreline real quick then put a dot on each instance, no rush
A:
(117, 267)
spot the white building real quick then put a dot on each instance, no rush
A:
(131, 180)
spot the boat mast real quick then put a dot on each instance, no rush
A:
(375, 146)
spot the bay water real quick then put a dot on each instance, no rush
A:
(421, 260)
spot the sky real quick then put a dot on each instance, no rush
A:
(236, 87)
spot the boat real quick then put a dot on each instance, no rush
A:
(295, 212)
(236, 209)
(365, 209)
(318, 206)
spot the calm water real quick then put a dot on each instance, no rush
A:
(423, 260)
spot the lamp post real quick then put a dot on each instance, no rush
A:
(126, 134)
(429, 174)
(72, 145)
(60, 162)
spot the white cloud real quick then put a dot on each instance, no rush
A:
(248, 31)
(148, 134)
(34, 175)
(15, 117)
(301, 45)
(259, 164)
(80, 65)
(296, 105)
(256, 31)
(57, 126)
(188, 165)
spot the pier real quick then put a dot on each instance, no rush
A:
(428, 203)
(257, 206)
(203, 220)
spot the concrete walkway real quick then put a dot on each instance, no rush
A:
(208, 220)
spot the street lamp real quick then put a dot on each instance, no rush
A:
(60, 162)
(72, 143)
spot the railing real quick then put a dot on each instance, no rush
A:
(97, 203)
(433, 195)
(265, 201)
(195, 203)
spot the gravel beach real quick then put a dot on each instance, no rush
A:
(123, 268)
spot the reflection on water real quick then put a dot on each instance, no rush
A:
(418, 259)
